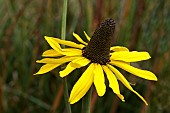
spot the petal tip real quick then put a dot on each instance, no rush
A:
(101, 94)
(37, 61)
(156, 79)
(61, 74)
(71, 101)
(37, 73)
(148, 55)
(121, 97)
(46, 37)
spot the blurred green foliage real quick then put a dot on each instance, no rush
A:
(142, 25)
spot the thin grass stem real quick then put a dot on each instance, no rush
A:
(63, 37)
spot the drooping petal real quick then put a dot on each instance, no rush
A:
(56, 61)
(80, 62)
(125, 82)
(79, 39)
(51, 53)
(82, 85)
(67, 70)
(53, 43)
(113, 83)
(99, 80)
(88, 38)
(138, 72)
(64, 42)
(119, 48)
(46, 68)
(133, 56)
(120, 76)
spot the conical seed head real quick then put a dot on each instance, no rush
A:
(98, 49)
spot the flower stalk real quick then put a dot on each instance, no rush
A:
(86, 101)
(63, 34)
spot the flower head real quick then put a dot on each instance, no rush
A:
(99, 57)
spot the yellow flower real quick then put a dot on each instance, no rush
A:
(100, 58)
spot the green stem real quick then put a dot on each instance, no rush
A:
(86, 100)
(63, 35)
(66, 96)
(64, 14)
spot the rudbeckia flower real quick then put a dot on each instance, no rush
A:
(99, 58)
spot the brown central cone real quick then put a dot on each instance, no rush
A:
(98, 49)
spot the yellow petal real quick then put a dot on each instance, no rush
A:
(138, 72)
(77, 63)
(64, 42)
(120, 77)
(113, 83)
(82, 85)
(133, 56)
(71, 52)
(79, 39)
(67, 70)
(88, 38)
(119, 48)
(80, 62)
(56, 60)
(140, 97)
(99, 80)
(125, 82)
(46, 68)
(54, 44)
(68, 51)
(121, 97)
(51, 53)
